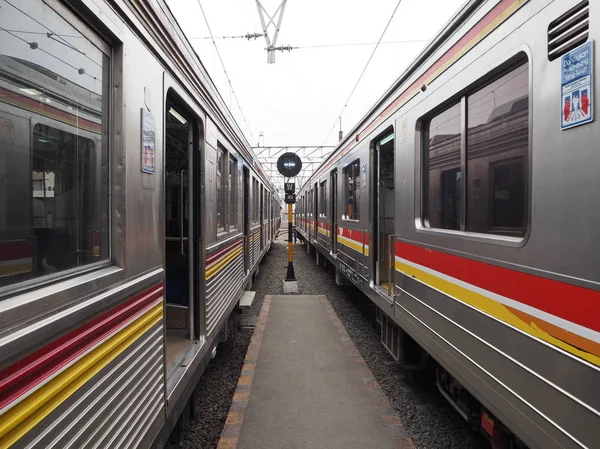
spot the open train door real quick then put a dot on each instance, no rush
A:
(246, 219)
(383, 217)
(183, 246)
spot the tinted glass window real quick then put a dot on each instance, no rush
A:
(54, 185)
(496, 155)
(220, 186)
(233, 192)
(323, 201)
(352, 190)
(497, 142)
(442, 170)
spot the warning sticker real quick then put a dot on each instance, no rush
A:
(148, 142)
(576, 86)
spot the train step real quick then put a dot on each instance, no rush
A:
(247, 299)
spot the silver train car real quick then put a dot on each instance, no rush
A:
(465, 211)
(133, 215)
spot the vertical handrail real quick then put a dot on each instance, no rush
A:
(380, 222)
(365, 232)
(392, 253)
(246, 254)
(181, 212)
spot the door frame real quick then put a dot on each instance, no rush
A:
(333, 209)
(196, 225)
(246, 217)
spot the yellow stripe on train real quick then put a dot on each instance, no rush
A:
(353, 244)
(214, 269)
(20, 419)
(491, 307)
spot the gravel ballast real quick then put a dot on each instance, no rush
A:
(429, 420)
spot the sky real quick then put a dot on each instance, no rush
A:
(297, 100)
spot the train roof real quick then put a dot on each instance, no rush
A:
(159, 21)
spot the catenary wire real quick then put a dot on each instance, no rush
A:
(363, 72)
(225, 70)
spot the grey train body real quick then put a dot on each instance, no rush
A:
(466, 214)
(117, 282)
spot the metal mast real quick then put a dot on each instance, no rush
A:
(278, 15)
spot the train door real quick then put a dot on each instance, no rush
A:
(180, 195)
(262, 218)
(316, 209)
(246, 219)
(383, 228)
(333, 220)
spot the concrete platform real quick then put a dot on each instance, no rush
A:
(304, 385)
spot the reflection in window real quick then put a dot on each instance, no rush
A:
(352, 190)
(53, 146)
(255, 201)
(442, 174)
(323, 200)
(220, 186)
(508, 203)
(497, 130)
(233, 192)
(497, 142)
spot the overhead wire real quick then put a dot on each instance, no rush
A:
(225, 70)
(354, 44)
(79, 70)
(339, 116)
(52, 35)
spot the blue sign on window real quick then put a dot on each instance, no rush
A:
(577, 80)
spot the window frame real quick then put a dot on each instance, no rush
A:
(346, 192)
(111, 265)
(520, 56)
(221, 230)
(255, 219)
(323, 199)
(232, 193)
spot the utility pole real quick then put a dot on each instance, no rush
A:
(340, 134)
(289, 165)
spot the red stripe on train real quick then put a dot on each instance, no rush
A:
(15, 251)
(354, 234)
(214, 256)
(325, 225)
(51, 111)
(573, 303)
(25, 374)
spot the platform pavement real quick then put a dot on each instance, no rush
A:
(305, 385)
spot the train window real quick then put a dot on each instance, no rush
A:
(221, 184)
(255, 201)
(265, 196)
(497, 144)
(494, 157)
(442, 169)
(233, 193)
(323, 200)
(352, 190)
(54, 199)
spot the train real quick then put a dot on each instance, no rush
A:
(463, 204)
(133, 216)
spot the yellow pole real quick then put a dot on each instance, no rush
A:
(290, 268)
(290, 227)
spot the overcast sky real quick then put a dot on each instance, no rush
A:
(297, 100)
